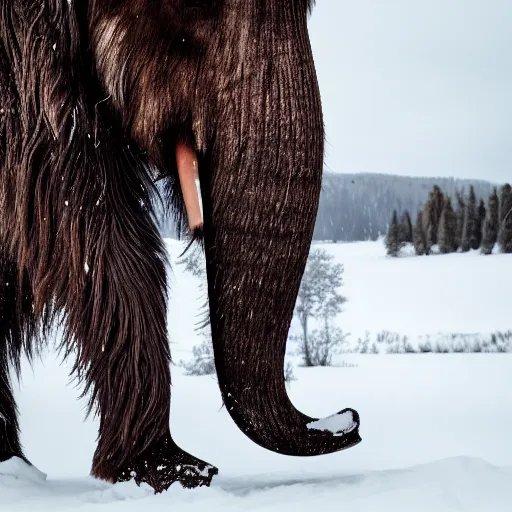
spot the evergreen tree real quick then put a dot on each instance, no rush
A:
(432, 215)
(447, 228)
(394, 241)
(491, 224)
(505, 193)
(406, 227)
(481, 220)
(482, 210)
(419, 237)
(464, 242)
(460, 213)
(505, 229)
(470, 238)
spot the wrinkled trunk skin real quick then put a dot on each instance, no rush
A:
(260, 181)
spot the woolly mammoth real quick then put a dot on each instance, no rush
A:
(101, 98)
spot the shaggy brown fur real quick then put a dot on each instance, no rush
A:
(77, 237)
(94, 96)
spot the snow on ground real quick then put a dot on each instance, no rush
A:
(435, 428)
(414, 295)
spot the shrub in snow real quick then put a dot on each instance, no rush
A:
(363, 344)
(441, 349)
(387, 342)
(468, 343)
(425, 347)
(344, 364)
(322, 345)
(395, 343)
(407, 347)
(388, 337)
(501, 341)
(477, 348)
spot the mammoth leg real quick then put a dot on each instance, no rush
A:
(123, 351)
(16, 330)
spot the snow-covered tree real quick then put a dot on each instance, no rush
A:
(319, 297)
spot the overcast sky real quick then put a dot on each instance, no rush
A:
(416, 87)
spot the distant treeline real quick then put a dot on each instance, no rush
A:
(359, 206)
(469, 224)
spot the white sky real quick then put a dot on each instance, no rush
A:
(416, 87)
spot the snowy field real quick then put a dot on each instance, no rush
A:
(436, 428)
(420, 295)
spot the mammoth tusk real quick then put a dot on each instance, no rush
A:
(186, 161)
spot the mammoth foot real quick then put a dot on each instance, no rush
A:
(165, 463)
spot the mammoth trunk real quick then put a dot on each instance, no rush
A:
(260, 184)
